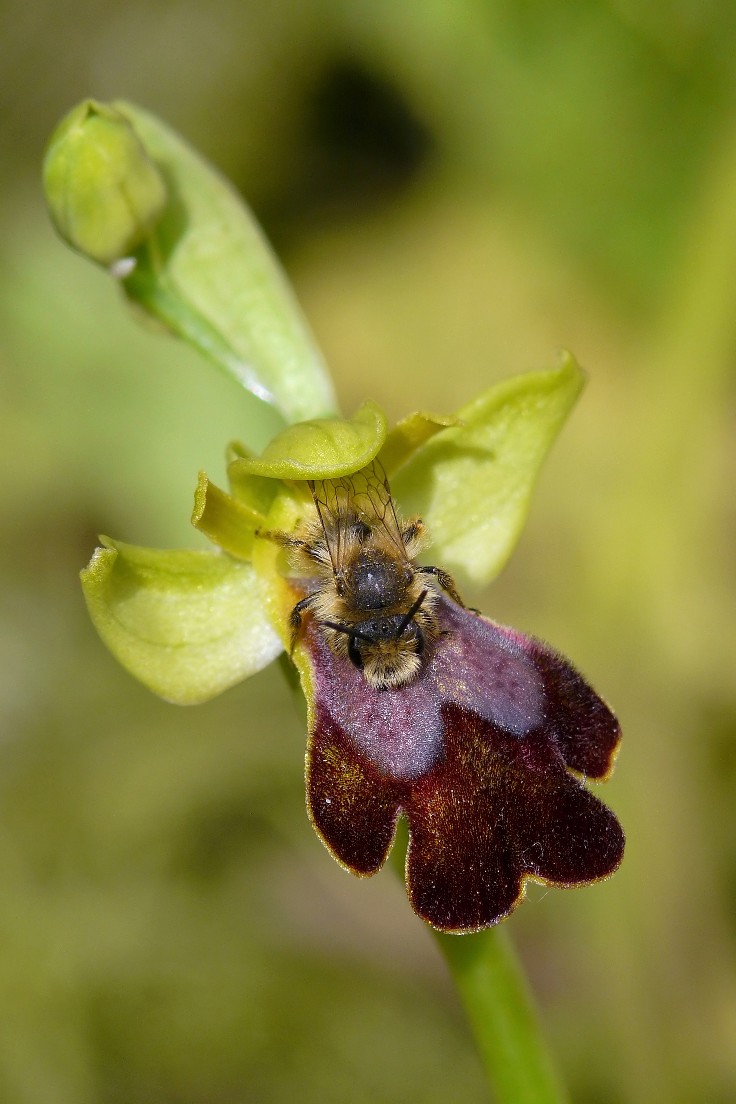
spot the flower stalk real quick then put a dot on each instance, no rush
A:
(502, 1016)
(500, 1009)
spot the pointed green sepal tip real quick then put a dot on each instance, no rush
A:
(472, 484)
(323, 448)
(104, 193)
(188, 624)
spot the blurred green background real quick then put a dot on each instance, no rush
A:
(456, 188)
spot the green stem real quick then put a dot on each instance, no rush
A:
(501, 1012)
(500, 1008)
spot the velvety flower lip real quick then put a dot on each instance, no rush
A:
(477, 752)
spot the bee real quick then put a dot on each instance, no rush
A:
(374, 604)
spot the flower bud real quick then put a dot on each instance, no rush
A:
(103, 191)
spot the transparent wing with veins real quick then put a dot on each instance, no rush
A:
(363, 497)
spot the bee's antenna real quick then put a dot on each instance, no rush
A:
(408, 616)
(355, 634)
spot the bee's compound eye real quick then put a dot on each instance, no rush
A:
(354, 653)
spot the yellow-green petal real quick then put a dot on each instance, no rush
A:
(473, 483)
(323, 448)
(104, 193)
(224, 519)
(408, 435)
(255, 491)
(188, 624)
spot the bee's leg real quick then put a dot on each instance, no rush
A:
(412, 535)
(445, 580)
(284, 539)
(295, 618)
(314, 550)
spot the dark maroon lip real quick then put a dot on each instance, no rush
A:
(477, 752)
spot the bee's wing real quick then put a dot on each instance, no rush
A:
(332, 503)
(363, 496)
(372, 498)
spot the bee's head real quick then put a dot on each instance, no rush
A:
(387, 649)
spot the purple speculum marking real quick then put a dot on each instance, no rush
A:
(475, 664)
(487, 670)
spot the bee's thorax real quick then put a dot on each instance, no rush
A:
(375, 580)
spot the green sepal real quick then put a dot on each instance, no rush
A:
(210, 276)
(323, 448)
(408, 435)
(224, 519)
(104, 193)
(188, 624)
(472, 485)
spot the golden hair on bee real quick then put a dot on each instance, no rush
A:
(374, 604)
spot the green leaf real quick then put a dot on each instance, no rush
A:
(188, 624)
(472, 484)
(209, 274)
(324, 448)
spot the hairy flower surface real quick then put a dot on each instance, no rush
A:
(482, 752)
